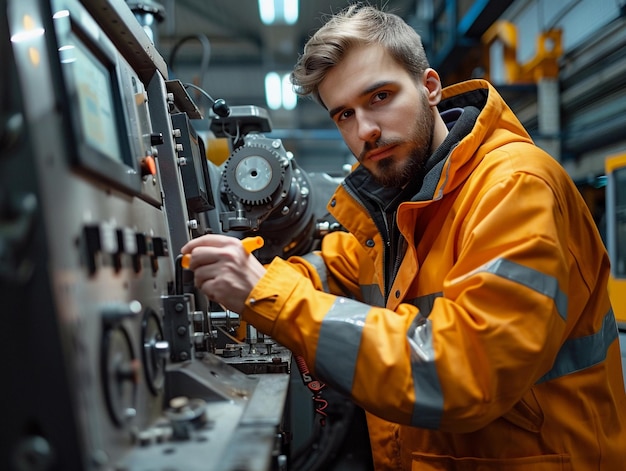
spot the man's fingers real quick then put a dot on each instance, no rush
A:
(209, 240)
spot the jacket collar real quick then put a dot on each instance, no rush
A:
(457, 157)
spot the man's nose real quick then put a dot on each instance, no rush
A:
(368, 129)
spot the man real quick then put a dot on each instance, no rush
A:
(466, 310)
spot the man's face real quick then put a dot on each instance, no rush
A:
(383, 114)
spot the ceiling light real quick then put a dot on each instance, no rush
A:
(289, 98)
(279, 91)
(278, 11)
(290, 11)
(273, 90)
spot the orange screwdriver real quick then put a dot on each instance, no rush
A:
(249, 244)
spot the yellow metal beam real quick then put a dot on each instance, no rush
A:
(543, 65)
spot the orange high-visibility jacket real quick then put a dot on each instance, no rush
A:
(483, 338)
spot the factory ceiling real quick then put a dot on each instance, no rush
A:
(223, 46)
(236, 33)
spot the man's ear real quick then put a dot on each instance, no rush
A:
(432, 82)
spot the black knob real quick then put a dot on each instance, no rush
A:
(221, 108)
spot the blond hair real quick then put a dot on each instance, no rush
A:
(356, 25)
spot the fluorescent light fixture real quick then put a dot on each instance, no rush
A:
(289, 97)
(273, 90)
(278, 11)
(279, 92)
(290, 11)
(267, 12)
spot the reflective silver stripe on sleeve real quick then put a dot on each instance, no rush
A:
(533, 279)
(584, 352)
(372, 295)
(425, 303)
(339, 342)
(317, 261)
(428, 405)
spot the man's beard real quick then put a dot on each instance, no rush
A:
(388, 172)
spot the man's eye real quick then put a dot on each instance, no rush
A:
(345, 115)
(380, 96)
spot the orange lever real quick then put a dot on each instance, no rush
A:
(249, 244)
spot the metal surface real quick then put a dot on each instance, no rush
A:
(88, 240)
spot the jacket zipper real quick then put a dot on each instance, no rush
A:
(396, 250)
(389, 233)
(383, 231)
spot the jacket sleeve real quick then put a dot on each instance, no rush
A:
(497, 326)
(337, 267)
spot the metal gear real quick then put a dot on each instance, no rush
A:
(253, 173)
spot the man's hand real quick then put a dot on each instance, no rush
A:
(223, 269)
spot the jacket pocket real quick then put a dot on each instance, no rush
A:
(426, 462)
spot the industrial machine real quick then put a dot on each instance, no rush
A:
(111, 359)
